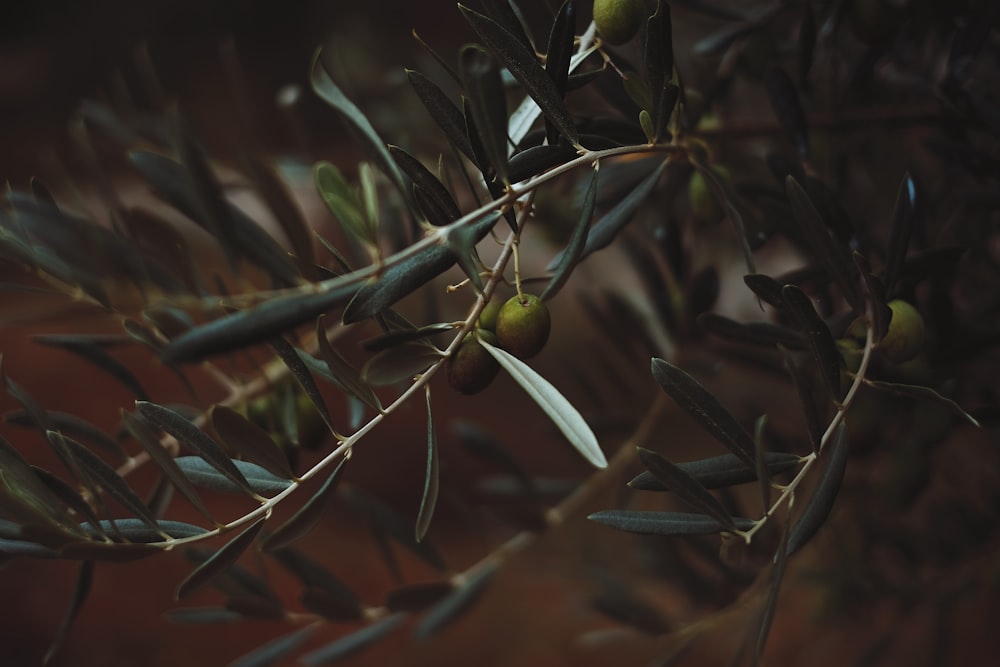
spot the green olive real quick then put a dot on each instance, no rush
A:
(471, 369)
(905, 337)
(618, 21)
(523, 325)
(488, 316)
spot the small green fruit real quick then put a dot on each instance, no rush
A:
(905, 337)
(704, 204)
(618, 21)
(523, 326)
(471, 369)
(488, 316)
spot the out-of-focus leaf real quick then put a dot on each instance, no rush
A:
(803, 380)
(558, 53)
(70, 424)
(68, 495)
(443, 111)
(719, 471)
(259, 481)
(306, 518)
(807, 44)
(324, 86)
(110, 481)
(823, 247)
(249, 440)
(276, 649)
(258, 324)
(483, 445)
(819, 505)
(428, 499)
(94, 352)
(342, 371)
(208, 450)
(394, 338)
(388, 522)
(537, 159)
(752, 333)
(457, 602)
(904, 220)
(108, 551)
(399, 364)
(295, 364)
(560, 411)
(760, 459)
(324, 593)
(353, 642)
(765, 287)
(522, 63)
(487, 102)
(417, 597)
(219, 561)
(726, 195)
(787, 107)
(771, 603)
(664, 523)
(203, 615)
(624, 604)
(428, 183)
(574, 249)
(698, 402)
(141, 431)
(81, 589)
(681, 483)
(923, 393)
(612, 222)
(659, 61)
(343, 201)
(817, 334)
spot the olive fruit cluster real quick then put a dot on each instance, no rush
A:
(520, 326)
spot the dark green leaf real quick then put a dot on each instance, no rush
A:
(765, 287)
(698, 402)
(537, 159)
(353, 642)
(72, 425)
(388, 521)
(203, 615)
(94, 352)
(684, 485)
(506, 15)
(819, 505)
(324, 592)
(522, 63)
(785, 102)
(344, 203)
(822, 245)
(107, 551)
(417, 597)
(163, 460)
(356, 120)
(138, 531)
(330, 606)
(727, 196)
(394, 338)
(219, 561)
(574, 249)
(68, 495)
(81, 589)
(209, 452)
(249, 440)
(276, 649)
(904, 221)
(487, 101)
(659, 61)
(255, 479)
(444, 112)
(621, 602)
(428, 500)
(771, 603)
(664, 523)
(293, 361)
(342, 371)
(881, 313)
(560, 411)
(306, 518)
(817, 334)
(923, 393)
(803, 381)
(457, 602)
(399, 364)
(558, 54)
(752, 333)
(462, 243)
(719, 471)
(761, 468)
(428, 183)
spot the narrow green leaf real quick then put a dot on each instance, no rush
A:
(92, 351)
(487, 101)
(249, 440)
(293, 361)
(81, 589)
(923, 393)
(817, 334)
(904, 220)
(353, 642)
(803, 380)
(389, 522)
(760, 458)
(197, 440)
(139, 532)
(822, 245)
(787, 107)
(399, 364)
(523, 64)
(698, 402)
(765, 287)
(443, 111)
(875, 291)
(219, 561)
(462, 243)
(771, 603)
(276, 649)
(557, 57)
(203, 615)
(141, 431)
(574, 249)
(457, 602)
(685, 486)
(306, 518)
(664, 523)
(548, 398)
(658, 58)
(751, 333)
(397, 337)
(109, 480)
(324, 86)
(428, 499)
(727, 196)
(258, 481)
(537, 159)
(68, 495)
(343, 201)
(324, 592)
(417, 597)
(73, 425)
(719, 471)
(342, 371)
(819, 505)
(506, 14)
(427, 182)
